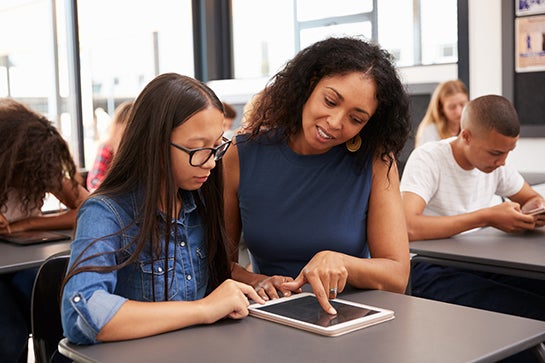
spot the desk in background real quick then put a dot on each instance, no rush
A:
(533, 178)
(422, 331)
(14, 257)
(488, 249)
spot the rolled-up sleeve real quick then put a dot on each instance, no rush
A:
(89, 301)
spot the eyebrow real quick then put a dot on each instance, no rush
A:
(199, 138)
(342, 99)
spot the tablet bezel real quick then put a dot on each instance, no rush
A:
(335, 330)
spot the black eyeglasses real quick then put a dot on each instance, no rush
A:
(198, 157)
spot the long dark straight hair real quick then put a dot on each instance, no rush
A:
(143, 162)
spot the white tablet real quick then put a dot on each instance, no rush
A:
(303, 311)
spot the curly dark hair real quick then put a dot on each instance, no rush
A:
(34, 157)
(280, 106)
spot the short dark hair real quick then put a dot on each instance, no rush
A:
(493, 112)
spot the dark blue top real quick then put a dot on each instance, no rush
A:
(293, 206)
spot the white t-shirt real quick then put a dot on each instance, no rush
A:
(433, 174)
(429, 133)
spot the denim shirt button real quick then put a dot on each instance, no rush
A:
(182, 244)
(188, 277)
(159, 269)
(77, 299)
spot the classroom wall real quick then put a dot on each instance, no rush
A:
(485, 65)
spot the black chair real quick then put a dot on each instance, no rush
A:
(45, 309)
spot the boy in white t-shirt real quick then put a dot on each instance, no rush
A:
(451, 186)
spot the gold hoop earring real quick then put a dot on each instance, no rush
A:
(353, 144)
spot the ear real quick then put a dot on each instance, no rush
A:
(466, 135)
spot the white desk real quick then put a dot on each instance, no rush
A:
(422, 331)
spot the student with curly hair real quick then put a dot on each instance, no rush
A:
(35, 160)
(314, 185)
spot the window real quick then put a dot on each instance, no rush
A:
(263, 36)
(417, 32)
(439, 32)
(27, 56)
(124, 44)
(317, 20)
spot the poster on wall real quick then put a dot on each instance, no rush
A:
(527, 7)
(530, 43)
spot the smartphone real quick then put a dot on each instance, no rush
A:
(535, 212)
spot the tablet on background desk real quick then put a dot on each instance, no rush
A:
(304, 312)
(32, 237)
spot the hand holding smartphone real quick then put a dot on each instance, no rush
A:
(535, 211)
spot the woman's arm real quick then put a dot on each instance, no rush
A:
(389, 267)
(231, 178)
(328, 272)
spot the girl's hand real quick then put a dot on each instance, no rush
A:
(230, 299)
(269, 287)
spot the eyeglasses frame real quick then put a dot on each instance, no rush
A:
(213, 151)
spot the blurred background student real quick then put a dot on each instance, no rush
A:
(442, 118)
(229, 115)
(35, 160)
(106, 151)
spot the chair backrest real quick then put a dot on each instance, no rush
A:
(45, 308)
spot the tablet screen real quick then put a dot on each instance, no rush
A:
(308, 310)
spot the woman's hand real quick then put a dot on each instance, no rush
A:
(230, 299)
(327, 274)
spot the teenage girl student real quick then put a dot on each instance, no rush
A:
(35, 160)
(442, 118)
(149, 255)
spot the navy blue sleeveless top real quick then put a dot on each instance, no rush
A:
(293, 206)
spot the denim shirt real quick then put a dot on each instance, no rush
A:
(91, 299)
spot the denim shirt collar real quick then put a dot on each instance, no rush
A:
(188, 206)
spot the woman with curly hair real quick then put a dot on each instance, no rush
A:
(313, 184)
(35, 160)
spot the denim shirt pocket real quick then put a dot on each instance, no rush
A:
(153, 278)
